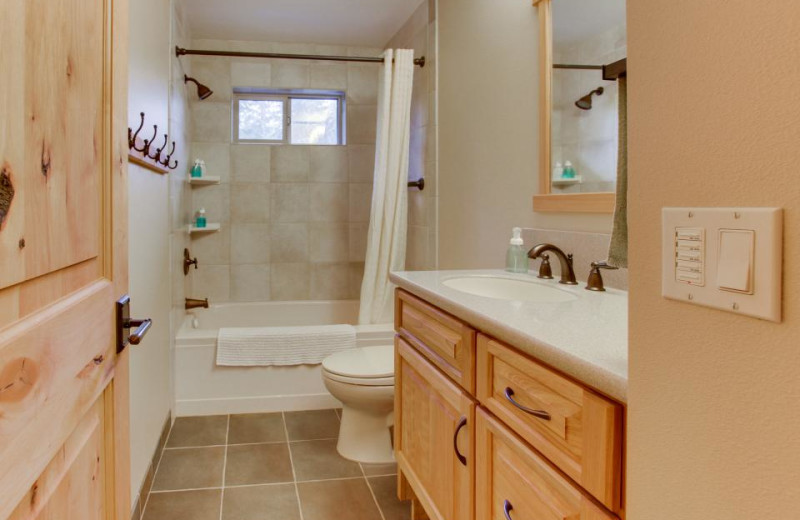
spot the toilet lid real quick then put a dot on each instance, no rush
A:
(362, 362)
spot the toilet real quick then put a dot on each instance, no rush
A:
(363, 380)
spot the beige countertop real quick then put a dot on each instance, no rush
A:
(586, 338)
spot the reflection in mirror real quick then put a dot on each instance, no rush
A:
(587, 34)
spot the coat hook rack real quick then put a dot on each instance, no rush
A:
(139, 150)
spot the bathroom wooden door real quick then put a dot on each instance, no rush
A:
(63, 259)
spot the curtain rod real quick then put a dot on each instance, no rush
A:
(180, 51)
(611, 72)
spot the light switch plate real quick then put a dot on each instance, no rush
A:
(767, 226)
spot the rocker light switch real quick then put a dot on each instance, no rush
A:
(735, 260)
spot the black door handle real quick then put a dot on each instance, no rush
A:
(461, 424)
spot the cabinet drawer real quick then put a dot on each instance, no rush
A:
(576, 429)
(446, 341)
(514, 483)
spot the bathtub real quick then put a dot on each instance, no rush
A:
(203, 388)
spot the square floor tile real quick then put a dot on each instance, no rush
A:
(258, 464)
(337, 499)
(256, 427)
(385, 490)
(319, 460)
(184, 505)
(312, 424)
(379, 469)
(273, 502)
(198, 431)
(190, 468)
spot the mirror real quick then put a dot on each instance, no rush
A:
(583, 51)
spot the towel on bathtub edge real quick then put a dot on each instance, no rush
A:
(282, 346)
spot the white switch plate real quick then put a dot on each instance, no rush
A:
(766, 223)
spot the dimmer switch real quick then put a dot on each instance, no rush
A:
(726, 258)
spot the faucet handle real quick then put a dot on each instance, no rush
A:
(595, 282)
(545, 271)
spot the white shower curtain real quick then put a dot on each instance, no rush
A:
(386, 242)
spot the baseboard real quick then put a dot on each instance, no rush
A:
(144, 491)
(257, 404)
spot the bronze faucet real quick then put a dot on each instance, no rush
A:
(595, 282)
(196, 304)
(567, 273)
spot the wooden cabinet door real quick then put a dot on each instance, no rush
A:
(63, 260)
(434, 439)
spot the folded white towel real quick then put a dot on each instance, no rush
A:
(264, 346)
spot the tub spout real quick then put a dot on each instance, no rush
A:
(195, 304)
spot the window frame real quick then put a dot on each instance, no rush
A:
(286, 96)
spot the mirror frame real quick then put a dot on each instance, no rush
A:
(545, 200)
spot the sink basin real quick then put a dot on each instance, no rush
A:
(510, 289)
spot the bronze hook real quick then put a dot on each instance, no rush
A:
(173, 166)
(165, 162)
(132, 138)
(157, 156)
(149, 142)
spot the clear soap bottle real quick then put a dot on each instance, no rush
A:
(516, 256)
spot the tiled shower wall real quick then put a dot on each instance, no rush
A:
(293, 219)
(419, 33)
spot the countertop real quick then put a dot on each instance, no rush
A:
(586, 338)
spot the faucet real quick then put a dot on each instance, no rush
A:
(195, 304)
(567, 273)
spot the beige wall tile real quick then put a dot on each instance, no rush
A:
(211, 121)
(211, 248)
(250, 283)
(213, 73)
(361, 161)
(290, 74)
(290, 203)
(215, 200)
(249, 243)
(357, 238)
(217, 157)
(289, 243)
(362, 83)
(251, 74)
(327, 164)
(328, 76)
(329, 242)
(250, 162)
(250, 203)
(329, 203)
(362, 122)
(212, 282)
(360, 202)
(356, 277)
(290, 163)
(290, 281)
(330, 281)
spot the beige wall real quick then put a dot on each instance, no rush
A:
(713, 407)
(488, 137)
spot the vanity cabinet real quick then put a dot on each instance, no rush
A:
(485, 431)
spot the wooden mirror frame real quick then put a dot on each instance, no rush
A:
(545, 200)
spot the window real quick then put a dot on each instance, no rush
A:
(289, 117)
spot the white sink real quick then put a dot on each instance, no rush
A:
(510, 289)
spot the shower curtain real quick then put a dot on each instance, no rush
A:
(386, 241)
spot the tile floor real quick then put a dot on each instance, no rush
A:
(275, 466)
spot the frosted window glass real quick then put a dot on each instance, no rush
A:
(315, 121)
(261, 119)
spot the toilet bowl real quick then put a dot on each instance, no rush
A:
(363, 380)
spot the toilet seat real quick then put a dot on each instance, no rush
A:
(364, 366)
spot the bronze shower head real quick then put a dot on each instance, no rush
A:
(203, 92)
(585, 103)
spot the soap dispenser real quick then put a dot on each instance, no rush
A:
(516, 257)
(197, 169)
(200, 221)
(569, 171)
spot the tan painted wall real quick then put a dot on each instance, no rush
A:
(714, 408)
(488, 137)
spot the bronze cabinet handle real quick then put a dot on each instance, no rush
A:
(461, 424)
(507, 507)
(541, 414)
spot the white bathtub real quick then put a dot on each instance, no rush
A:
(202, 388)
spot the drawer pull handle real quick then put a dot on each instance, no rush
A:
(507, 507)
(461, 424)
(541, 414)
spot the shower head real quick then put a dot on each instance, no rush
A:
(585, 103)
(203, 92)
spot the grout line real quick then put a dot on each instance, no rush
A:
(224, 466)
(249, 444)
(291, 462)
(235, 486)
(371, 492)
(158, 465)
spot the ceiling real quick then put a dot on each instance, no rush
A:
(574, 20)
(369, 23)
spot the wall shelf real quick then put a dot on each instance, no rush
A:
(210, 228)
(203, 181)
(567, 181)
